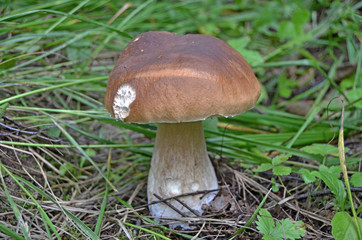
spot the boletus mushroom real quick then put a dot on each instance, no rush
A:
(178, 81)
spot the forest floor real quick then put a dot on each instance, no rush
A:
(70, 171)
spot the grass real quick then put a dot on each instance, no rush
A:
(70, 171)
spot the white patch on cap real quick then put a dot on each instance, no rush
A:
(124, 97)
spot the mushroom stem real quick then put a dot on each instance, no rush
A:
(180, 165)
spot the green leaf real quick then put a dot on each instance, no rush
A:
(359, 209)
(356, 179)
(78, 51)
(344, 227)
(334, 171)
(275, 185)
(282, 170)
(288, 230)
(264, 167)
(281, 159)
(355, 94)
(275, 188)
(54, 132)
(263, 94)
(347, 83)
(285, 86)
(284, 229)
(265, 222)
(294, 28)
(286, 30)
(251, 219)
(252, 57)
(90, 152)
(330, 178)
(307, 176)
(239, 43)
(300, 17)
(66, 167)
(316, 174)
(268, 15)
(322, 149)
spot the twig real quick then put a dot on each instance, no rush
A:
(170, 205)
(188, 208)
(32, 132)
(276, 198)
(323, 192)
(198, 233)
(178, 196)
(252, 217)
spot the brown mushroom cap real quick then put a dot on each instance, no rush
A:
(166, 77)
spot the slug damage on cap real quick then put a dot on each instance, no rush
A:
(123, 99)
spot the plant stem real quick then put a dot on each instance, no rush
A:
(342, 159)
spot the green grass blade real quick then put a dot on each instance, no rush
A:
(44, 215)
(70, 16)
(7, 231)
(121, 26)
(81, 4)
(146, 230)
(15, 209)
(310, 117)
(76, 145)
(104, 201)
(52, 87)
(273, 146)
(76, 220)
(72, 40)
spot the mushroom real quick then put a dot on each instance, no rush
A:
(178, 81)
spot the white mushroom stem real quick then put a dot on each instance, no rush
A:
(180, 165)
